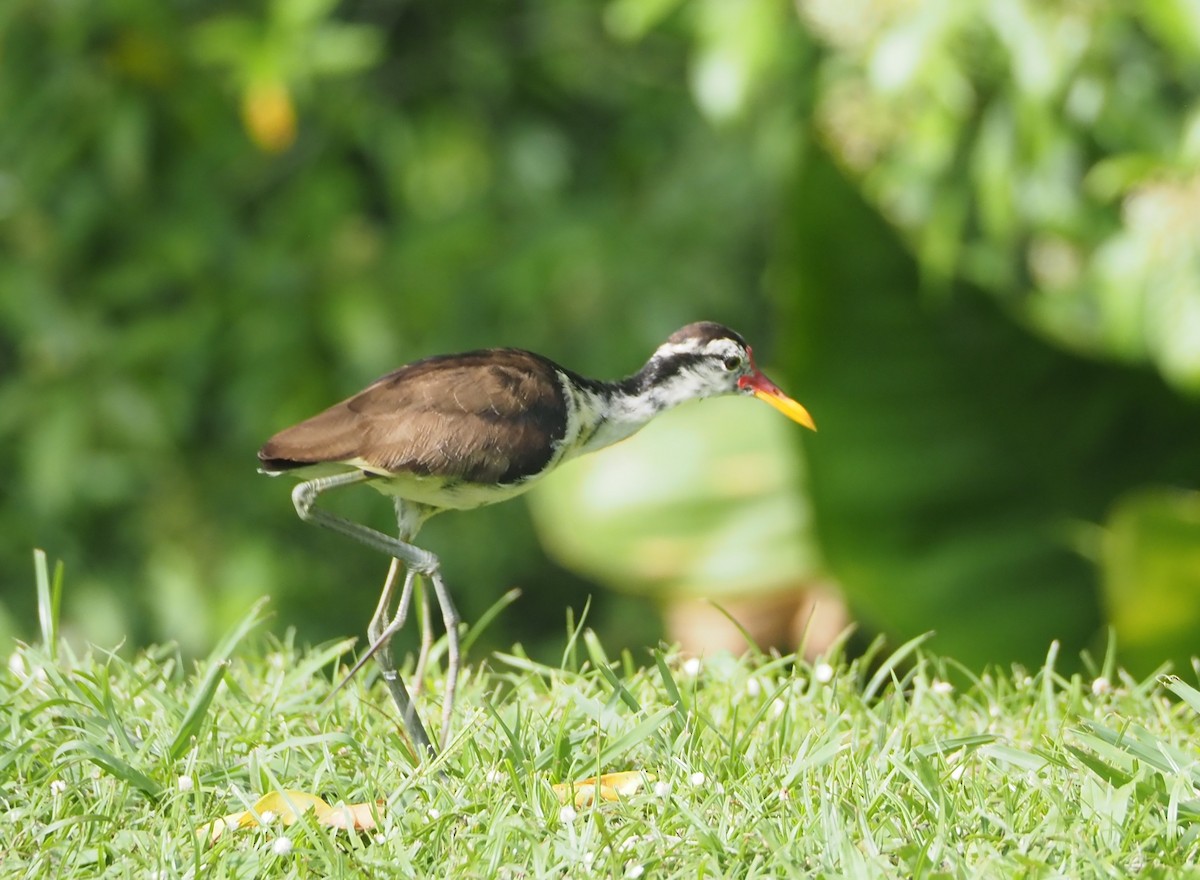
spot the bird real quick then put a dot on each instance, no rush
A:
(460, 431)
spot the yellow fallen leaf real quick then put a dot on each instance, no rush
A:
(356, 817)
(287, 807)
(612, 787)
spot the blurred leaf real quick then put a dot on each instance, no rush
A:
(633, 19)
(343, 49)
(1152, 576)
(960, 457)
(1024, 95)
(225, 39)
(1176, 23)
(299, 13)
(706, 501)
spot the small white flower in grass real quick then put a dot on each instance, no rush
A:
(380, 840)
(691, 666)
(16, 665)
(753, 688)
(588, 858)
(697, 778)
(268, 817)
(635, 871)
(941, 687)
(282, 846)
(57, 787)
(434, 813)
(1101, 686)
(662, 789)
(567, 814)
(493, 776)
(185, 783)
(823, 673)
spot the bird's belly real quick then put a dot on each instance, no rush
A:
(448, 494)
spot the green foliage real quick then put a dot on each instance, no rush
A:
(175, 288)
(962, 462)
(1046, 152)
(1152, 575)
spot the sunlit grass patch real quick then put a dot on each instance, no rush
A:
(764, 766)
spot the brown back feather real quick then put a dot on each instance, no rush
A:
(490, 416)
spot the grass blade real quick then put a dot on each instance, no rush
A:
(1183, 690)
(596, 652)
(49, 598)
(953, 744)
(113, 765)
(197, 709)
(672, 689)
(635, 737)
(218, 664)
(885, 669)
(485, 619)
(570, 655)
(1016, 757)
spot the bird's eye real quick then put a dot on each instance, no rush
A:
(732, 362)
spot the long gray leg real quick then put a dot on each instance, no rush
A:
(377, 629)
(379, 618)
(415, 559)
(380, 630)
(453, 652)
(423, 619)
(304, 496)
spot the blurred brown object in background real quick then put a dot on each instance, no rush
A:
(706, 511)
(807, 618)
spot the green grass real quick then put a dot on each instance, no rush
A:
(763, 767)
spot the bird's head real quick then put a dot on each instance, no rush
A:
(706, 359)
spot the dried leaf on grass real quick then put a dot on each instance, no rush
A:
(286, 807)
(611, 787)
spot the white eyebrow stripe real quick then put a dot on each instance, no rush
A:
(690, 346)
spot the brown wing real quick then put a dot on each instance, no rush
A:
(483, 417)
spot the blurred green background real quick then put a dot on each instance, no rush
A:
(965, 233)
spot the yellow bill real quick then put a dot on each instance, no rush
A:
(768, 392)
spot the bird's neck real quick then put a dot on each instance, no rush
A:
(608, 412)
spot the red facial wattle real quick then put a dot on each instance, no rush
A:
(767, 391)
